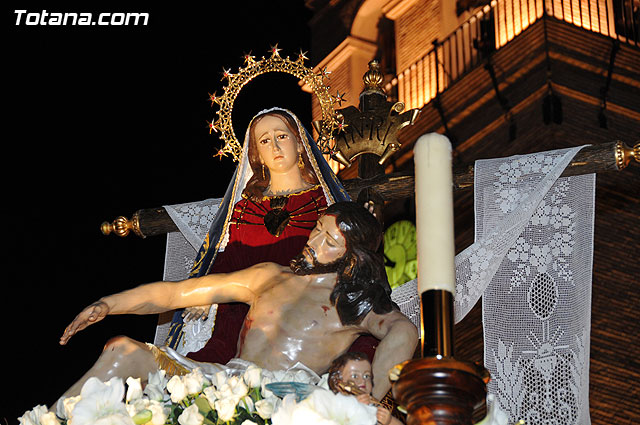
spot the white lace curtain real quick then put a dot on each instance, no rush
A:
(193, 221)
(531, 262)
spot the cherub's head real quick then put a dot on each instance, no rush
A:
(351, 368)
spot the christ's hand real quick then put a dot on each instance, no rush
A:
(90, 315)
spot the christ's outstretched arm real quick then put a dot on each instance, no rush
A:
(158, 297)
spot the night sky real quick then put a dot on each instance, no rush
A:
(103, 121)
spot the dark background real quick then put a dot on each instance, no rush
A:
(103, 121)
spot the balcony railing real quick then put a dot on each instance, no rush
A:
(495, 25)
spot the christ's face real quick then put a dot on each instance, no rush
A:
(325, 249)
(326, 241)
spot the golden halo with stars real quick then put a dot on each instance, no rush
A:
(331, 122)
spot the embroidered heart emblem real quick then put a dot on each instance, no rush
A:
(277, 219)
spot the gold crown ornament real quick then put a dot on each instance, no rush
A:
(331, 122)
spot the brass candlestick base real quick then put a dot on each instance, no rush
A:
(439, 390)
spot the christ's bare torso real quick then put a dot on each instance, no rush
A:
(292, 320)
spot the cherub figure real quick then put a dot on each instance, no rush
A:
(351, 373)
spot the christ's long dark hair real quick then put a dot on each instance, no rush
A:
(362, 280)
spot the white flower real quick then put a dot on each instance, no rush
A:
(248, 422)
(159, 412)
(232, 381)
(324, 407)
(246, 402)
(292, 413)
(136, 406)
(265, 407)
(142, 417)
(158, 379)
(210, 394)
(495, 416)
(240, 389)
(101, 403)
(134, 389)
(191, 416)
(177, 389)
(194, 381)
(220, 378)
(144, 407)
(32, 417)
(156, 384)
(65, 406)
(225, 391)
(154, 393)
(226, 408)
(253, 376)
(49, 418)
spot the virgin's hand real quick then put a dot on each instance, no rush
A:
(370, 206)
(90, 315)
(196, 312)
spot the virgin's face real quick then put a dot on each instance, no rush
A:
(358, 372)
(277, 146)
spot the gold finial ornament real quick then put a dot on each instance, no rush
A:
(122, 226)
(624, 154)
(374, 79)
(275, 63)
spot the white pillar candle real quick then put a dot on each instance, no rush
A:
(434, 213)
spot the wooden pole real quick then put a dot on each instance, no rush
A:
(600, 158)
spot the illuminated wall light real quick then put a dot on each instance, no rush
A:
(508, 14)
(501, 24)
(441, 70)
(401, 95)
(414, 87)
(585, 15)
(432, 81)
(535, 10)
(576, 12)
(466, 47)
(420, 82)
(518, 17)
